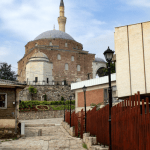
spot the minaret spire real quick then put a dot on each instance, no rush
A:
(62, 18)
(62, 3)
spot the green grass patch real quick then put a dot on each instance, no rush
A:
(61, 107)
(84, 145)
(14, 138)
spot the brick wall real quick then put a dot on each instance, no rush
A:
(93, 96)
(7, 113)
(59, 73)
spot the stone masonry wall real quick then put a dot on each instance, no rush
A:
(82, 58)
(53, 92)
(41, 115)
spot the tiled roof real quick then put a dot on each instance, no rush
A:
(54, 34)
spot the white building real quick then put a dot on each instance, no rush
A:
(39, 69)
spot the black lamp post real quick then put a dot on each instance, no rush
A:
(108, 56)
(84, 90)
(64, 110)
(70, 97)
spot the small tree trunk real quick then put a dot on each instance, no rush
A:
(32, 96)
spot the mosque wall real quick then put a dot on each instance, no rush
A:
(96, 66)
(82, 58)
(56, 44)
(41, 70)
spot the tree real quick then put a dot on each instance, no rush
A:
(6, 73)
(105, 70)
(62, 98)
(32, 91)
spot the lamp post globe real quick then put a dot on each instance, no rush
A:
(108, 56)
(84, 90)
(70, 97)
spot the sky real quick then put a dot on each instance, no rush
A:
(90, 22)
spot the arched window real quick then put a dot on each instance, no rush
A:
(59, 57)
(36, 44)
(72, 58)
(50, 44)
(78, 67)
(66, 44)
(66, 66)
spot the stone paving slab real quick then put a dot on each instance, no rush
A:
(54, 138)
(43, 121)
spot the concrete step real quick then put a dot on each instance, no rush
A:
(41, 131)
(41, 125)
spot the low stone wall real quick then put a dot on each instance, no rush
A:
(41, 115)
(70, 130)
(53, 92)
(91, 142)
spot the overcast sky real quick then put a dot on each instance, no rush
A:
(90, 22)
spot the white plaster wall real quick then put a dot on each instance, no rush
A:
(42, 70)
(47, 71)
(136, 59)
(146, 38)
(96, 66)
(122, 62)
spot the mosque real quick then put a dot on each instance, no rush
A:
(56, 56)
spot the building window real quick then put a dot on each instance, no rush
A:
(72, 58)
(47, 80)
(3, 100)
(66, 44)
(27, 80)
(36, 44)
(36, 79)
(59, 57)
(78, 67)
(50, 44)
(66, 66)
(77, 47)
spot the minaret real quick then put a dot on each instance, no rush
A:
(62, 18)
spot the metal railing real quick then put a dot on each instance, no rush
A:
(6, 82)
(50, 83)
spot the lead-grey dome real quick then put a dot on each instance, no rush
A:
(54, 34)
(99, 60)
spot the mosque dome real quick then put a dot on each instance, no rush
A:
(39, 56)
(97, 59)
(54, 34)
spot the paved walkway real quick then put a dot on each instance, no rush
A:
(53, 137)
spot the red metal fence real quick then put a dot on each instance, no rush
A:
(130, 124)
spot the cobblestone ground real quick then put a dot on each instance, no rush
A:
(53, 138)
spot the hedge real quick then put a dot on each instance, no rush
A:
(26, 104)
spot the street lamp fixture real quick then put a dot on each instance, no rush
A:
(84, 90)
(70, 97)
(108, 56)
